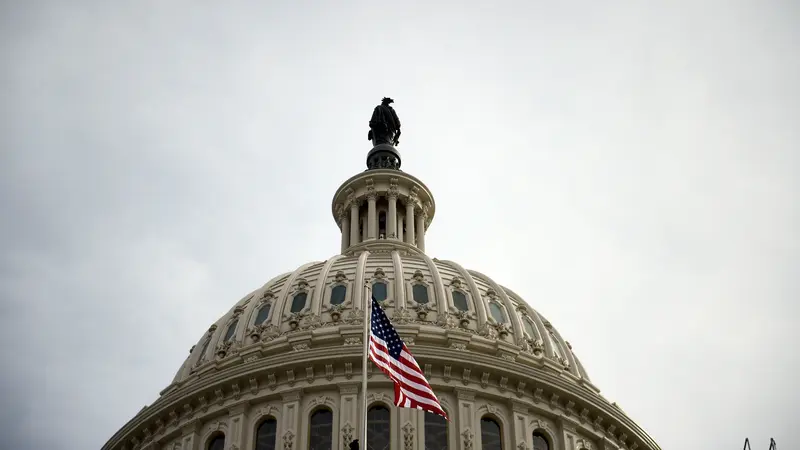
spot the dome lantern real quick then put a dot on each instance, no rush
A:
(383, 207)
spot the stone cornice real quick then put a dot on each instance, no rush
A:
(542, 388)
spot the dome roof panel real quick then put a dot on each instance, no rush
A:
(314, 282)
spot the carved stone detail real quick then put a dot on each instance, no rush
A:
(554, 401)
(253, 386)
(310, 374)
(468, 436)
(300, 347)
(272, 381)
(485, 380)
(347, 434)
(408, 436)
(352, 340)
(447, 321)
(288, 440)
(348, 370)
(402, 316)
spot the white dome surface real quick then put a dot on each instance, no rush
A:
(495, 320)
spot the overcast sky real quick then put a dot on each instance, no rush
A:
(627, 167)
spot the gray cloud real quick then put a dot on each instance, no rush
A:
(626, 168)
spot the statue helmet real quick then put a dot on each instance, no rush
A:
(387, 100)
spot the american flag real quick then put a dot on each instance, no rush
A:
(387, 351)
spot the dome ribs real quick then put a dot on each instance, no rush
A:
(288, 287)
(317, 299)
(400, 280)
(516, 324)
(438, 285)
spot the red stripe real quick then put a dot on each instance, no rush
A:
(413, 374)
(411, 388)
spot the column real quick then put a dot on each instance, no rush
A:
(519, 426)
(236, 420)
(191, 436)
(349, 413)
(364, 230)
(400, 229)
(407, 422)
(391, 218)
(420, 229)
(291, 419)
(466, 426)
(345, 221)
(354, 223)
(372, 218)
(410, 221)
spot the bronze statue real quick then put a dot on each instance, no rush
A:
(384, 127)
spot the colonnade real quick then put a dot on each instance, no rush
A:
(406, 225)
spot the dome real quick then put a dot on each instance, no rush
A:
(283, 365)
(440, 303)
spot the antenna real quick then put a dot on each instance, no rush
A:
(772, 444)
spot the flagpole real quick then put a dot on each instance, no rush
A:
(365, 338)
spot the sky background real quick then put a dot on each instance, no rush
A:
(627, 167)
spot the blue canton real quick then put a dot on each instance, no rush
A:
(383, 329)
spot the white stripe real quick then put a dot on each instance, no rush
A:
(408, 370)
(398, 374)
(418, 399)
(398, 370)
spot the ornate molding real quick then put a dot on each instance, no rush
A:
(288, 440)
(347, 434)
(468, 437)
(408, 436)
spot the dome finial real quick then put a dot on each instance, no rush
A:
(384, 132)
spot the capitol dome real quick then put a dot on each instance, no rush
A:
(282, 368)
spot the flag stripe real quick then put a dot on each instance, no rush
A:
(421, 390)
(391, 355)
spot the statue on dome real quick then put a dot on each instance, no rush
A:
(384, 126)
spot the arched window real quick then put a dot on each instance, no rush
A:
(435, 432)
(420, 292)
(321, 430)
(263, 313)
(217, 442)
(231, 330)
(540, 442)
(460, 301)
(266, 434)
(379, 291)
(338, 294)
(378, 428)
(491, 435)
(529, 327)
(497, 312)
(298, 302)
